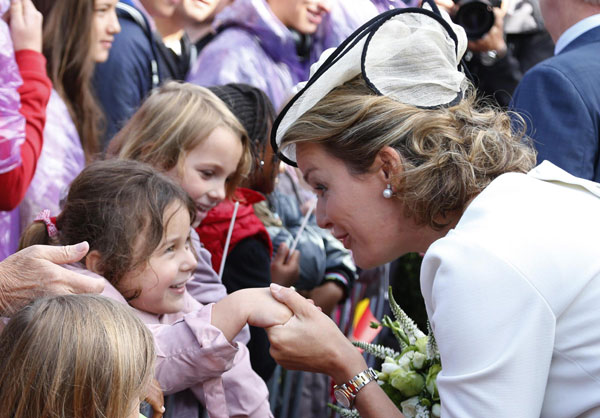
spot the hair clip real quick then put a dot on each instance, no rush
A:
(44, 216)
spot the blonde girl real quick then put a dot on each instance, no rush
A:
(189, 133)
(74, 356)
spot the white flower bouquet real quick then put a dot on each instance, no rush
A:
(408, 377)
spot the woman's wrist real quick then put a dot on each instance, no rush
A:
(348, 363)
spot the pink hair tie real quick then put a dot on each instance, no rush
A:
(44, 216)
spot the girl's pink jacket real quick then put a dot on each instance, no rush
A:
(193, 354)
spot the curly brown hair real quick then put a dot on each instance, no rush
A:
(448, 155)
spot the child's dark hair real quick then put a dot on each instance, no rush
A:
(253, 109)
(110, 205)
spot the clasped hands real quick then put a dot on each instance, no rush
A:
(302, 337)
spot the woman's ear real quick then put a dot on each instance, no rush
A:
(92, 262)
(388, 163)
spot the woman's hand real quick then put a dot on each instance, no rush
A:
(285, 267)
(311, 341)
(25, 25)
(254, 306)
(33, 273)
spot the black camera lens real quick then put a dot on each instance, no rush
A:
(476, 18)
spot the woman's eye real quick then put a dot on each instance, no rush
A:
(206, 173)
(170, 249)
(320, 189)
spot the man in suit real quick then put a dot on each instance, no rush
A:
(560, 97)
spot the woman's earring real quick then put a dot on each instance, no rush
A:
(387, 193)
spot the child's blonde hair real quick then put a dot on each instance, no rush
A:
(174, 119)
(74, 356)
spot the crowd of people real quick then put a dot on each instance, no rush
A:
(153, 247)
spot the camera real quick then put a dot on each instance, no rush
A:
(476, 16)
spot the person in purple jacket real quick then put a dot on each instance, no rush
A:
(73, 117)
(384, 5)
(271, 44)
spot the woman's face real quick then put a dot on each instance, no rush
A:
(353, 208)
(105, 27)
(207, 168)
(305, 16)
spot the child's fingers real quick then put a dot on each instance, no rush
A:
(282, 252)
(294, 258)
(31, 15)
(16, 12)
(155, 398)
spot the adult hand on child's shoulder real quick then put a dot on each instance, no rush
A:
(33, 273)
(25, 26)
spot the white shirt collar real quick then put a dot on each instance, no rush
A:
(575, 31)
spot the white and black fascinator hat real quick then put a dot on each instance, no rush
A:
(411, 55)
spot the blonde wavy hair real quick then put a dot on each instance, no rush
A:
(74, 356)
(448, 155)
(174, 119)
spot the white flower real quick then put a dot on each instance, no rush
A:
(422, 412)
(409, 407)
(418, 360)
(388, 368)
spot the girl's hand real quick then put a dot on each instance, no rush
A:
(263, 310)
(285, 270)
(25, 26)
(311, 341)
(254, 306)
(155, 398)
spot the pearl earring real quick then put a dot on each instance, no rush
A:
(387, 193)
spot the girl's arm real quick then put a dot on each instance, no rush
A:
(205, 287)
(26, 33)
(35, 93)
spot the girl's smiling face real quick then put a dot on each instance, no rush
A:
(160, 283)
(206, 169)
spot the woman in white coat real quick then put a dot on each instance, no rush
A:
(403, 159)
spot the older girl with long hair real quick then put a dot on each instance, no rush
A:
(74, 356)
(77, 35)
